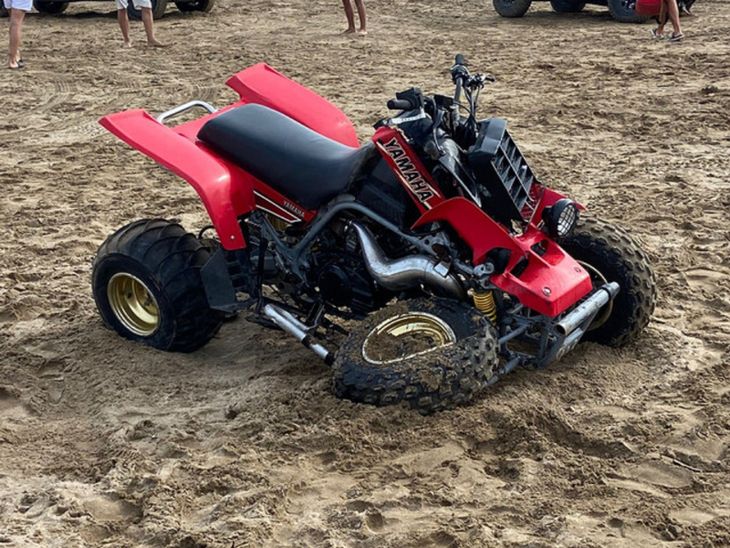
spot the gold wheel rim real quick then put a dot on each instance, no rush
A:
(410, 324)
(133, 304)
(605, 312)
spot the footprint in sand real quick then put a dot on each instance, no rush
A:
(10, 405)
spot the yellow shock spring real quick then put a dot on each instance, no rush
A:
(484, 301)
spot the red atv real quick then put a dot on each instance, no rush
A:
(433, 247)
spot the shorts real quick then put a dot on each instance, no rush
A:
(25, 5)
(138, 4)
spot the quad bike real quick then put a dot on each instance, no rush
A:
(621, 10)
(433, 248)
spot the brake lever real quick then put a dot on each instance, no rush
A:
(479, 80)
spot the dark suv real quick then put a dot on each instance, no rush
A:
(158, 6)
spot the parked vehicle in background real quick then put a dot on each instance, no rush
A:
(158, 6)
(620, 10)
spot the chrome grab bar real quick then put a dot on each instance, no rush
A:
(182, 108)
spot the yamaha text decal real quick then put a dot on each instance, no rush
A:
(408, 172)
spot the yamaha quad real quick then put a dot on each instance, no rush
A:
(432, 252)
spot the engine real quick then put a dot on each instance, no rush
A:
(344, 281)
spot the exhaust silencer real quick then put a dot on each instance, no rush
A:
(588, 309)
(406, 272)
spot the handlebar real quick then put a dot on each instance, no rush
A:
(399, 104)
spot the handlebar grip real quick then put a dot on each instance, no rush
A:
(399, 104)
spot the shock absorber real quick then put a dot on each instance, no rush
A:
(484, 302)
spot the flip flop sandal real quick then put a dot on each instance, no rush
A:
(676, 37)
(657, 35)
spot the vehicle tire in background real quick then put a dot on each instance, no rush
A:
(620, 11)
(158, 9)
(3, 11)
(53, 8)
(148, 288)
(511, 8)
(567, 6)
(433, 354)
(610, 254)
(196, 5)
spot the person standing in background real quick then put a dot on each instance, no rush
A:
(350, 14)
(16, 10)
(145, 6)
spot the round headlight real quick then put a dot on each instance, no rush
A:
(560, 218)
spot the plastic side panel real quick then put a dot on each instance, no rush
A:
(552, 281)
(263, 85)
(479, 231)
(208, 176)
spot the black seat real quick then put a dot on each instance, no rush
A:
(298, 162)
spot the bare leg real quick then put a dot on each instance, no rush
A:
(16, 27)
(123, 20)
(361, 14)
(350, 16)
(674, 16)
(662, 18)
(149, 28)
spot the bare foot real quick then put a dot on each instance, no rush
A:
(155, 44)
(362, 32)
(127, 45)
(349, 30)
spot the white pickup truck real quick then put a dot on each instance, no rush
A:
(158, 6)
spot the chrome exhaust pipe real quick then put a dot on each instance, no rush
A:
(289, 323)
(406, 272)
(588, 309)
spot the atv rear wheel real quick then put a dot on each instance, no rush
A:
(431, 353)
(147, 286)
(610, 254)
(621, 12)
(567, 6)
(511, 8)
(196, 5)
(53, 8)
(158, 9)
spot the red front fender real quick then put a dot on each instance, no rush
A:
(551, 282)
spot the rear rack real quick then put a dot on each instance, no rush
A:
(162, 118)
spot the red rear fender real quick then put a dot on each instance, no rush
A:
(225, 193)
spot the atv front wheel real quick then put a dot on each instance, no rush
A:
(610, 254)
(147, 286)
(196, 5)
(511, 8)
(431, 353)
(567, 6)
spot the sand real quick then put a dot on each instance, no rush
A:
(106, 443)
